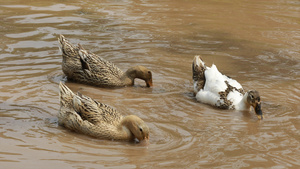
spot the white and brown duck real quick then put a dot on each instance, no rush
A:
(214, 88)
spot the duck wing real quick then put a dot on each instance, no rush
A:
(95, 112)
(99, 70)
(99, 65)
(220, 90)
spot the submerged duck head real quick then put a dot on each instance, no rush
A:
(141, 72)
(137, 127)
(253, 99)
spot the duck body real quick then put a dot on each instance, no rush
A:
(84, 115)
(214, 88)
(82, 66)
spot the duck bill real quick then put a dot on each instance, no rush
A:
(258, 111)
(149, 83)
(144, 142)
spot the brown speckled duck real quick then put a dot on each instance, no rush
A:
(82, 66)
(85, 115)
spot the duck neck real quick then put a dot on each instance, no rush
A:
(124, 129)
(244, 105)
(120, 132)
(129, 76)
(123, 133)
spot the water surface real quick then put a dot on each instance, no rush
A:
(255, 42)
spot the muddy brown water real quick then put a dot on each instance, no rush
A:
(256, 42)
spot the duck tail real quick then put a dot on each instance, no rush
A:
(61, 41)
(66, 47)
(65, 94)
(198, 73)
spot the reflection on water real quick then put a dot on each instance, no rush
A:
(255, 42)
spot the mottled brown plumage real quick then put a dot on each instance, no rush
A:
(228, 104)
(84, 115)
(82, 66)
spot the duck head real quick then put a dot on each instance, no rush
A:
(137, 127)
(141, 72)
(253, 99)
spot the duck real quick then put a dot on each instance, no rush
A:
(213, 88)
(82, 66)
(85, 115)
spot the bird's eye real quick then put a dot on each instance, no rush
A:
(149, 72)
(251, 96)
(141, 129)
